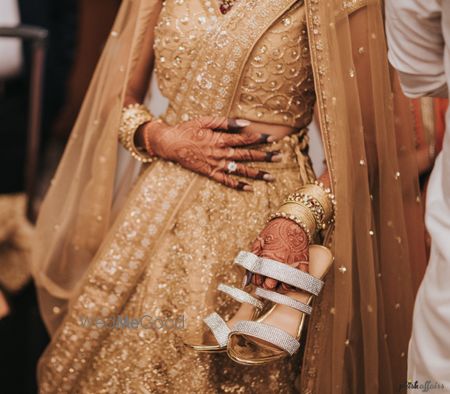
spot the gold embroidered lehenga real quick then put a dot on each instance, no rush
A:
(176, 233)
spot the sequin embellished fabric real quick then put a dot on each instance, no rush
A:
(276, 84)
(180, 284)
(178, 233)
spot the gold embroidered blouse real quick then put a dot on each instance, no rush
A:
(276, 84)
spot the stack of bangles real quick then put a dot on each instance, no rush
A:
(134, 116)
(311, 207)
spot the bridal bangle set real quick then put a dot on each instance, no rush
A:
(311, 207)
(134, 116)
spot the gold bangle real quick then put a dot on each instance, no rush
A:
(329, 198)
(296, 220)
(134, 116)
(302, 212)
(318, 196)
(310, 203)
(319, 200)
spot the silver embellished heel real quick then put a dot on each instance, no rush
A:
(214, 336)
(276, 333)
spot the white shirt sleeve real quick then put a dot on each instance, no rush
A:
(10, 48)
(416, 46)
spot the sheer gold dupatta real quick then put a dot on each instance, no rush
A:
(358, 336)
(76, 213)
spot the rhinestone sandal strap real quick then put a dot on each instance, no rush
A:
(283, 299)
(279, 271)
(218, 327)
(267, 333)
(240, 295)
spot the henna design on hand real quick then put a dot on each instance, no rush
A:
(285, 241)
(197, 145)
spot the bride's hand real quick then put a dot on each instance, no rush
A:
(285, 241)
(200, 146)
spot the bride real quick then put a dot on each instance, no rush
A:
(138, 233)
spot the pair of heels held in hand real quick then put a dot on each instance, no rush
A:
(268, 326)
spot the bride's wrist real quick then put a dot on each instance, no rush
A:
(134, 117)
(139, 139)
(145, 134)
(302, 219)
(311, 207)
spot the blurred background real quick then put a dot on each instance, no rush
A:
(43, 77)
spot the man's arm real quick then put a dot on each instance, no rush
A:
(416, 46)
